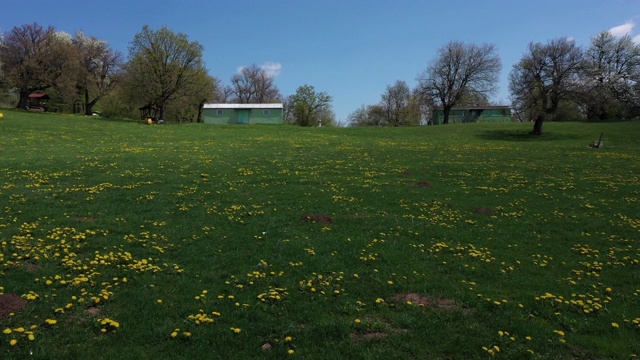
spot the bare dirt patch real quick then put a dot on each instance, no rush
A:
(93, 311)
(489, 211)
(11, 303)
(316, 218)
(430, 302)
(420, 184)
(368, 336)
(382, 330)
(32, 267)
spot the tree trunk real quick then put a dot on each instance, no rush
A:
(88, 105)
(200, 106)
(23, 103)
(537, 125)
(445, 114)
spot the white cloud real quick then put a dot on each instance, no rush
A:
(622, 30)
(272, 68)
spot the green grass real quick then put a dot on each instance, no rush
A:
(498, 240)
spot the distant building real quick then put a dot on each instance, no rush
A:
(38, 102)
(243, 113)
(472, 114)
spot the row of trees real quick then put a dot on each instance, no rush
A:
(557, 80)
(33, 58)
(163, 68)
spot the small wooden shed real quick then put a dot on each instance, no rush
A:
(38, 101)
(243, 113)
(150, 111)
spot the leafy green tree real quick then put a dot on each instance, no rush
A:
(460, 69)
(309, 106)
(163, 66)
(368, 115)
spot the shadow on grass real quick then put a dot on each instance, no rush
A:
(519, 135)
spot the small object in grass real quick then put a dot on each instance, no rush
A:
(598, 143)
(266, 347)
(1, 115)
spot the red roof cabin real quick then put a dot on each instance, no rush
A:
(38, 102)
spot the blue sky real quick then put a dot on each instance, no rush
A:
(352, 49)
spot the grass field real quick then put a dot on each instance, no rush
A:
(129, 241)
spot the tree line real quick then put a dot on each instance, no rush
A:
(556, 80)
(163, 68)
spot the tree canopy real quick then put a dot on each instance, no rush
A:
(459, 69)
(253, 85)
(310, 108)
(164, 66)
(97, 71)
(611, 73)
(545, 76)
(34, 58)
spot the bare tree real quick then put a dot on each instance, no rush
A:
(287, 108)
(396, 101)
(34, 59)
(461, 68)
(547, 75)
(254, 85)
(98, 69)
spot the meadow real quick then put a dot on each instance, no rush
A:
(120, 240)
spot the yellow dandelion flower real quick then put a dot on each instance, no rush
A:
(288, 338)
(6, 331)
(291, 351)
(615, 325)
(13, 342)
(357, 321)
(174, 334)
